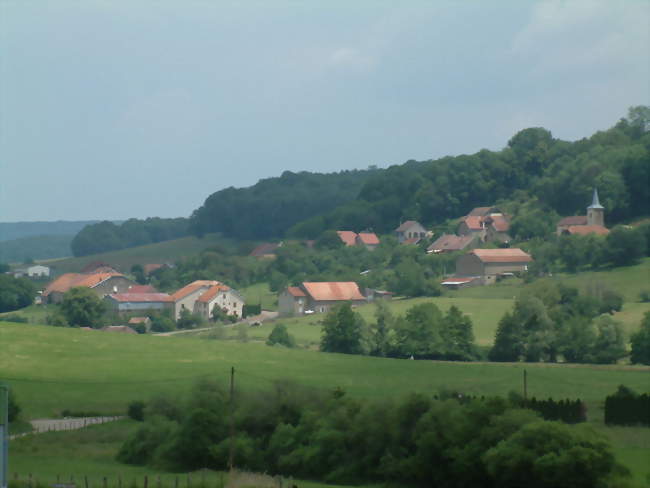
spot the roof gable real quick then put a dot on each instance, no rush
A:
(192, 287)
(333, 291)
(212, 292)
(368, 238)
(407, 225)
(348, 237)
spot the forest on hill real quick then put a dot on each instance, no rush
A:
(536, 179)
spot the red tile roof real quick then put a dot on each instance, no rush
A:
(142, 289)
(573, 220)
(70, 280)
(295, 291)
(333, 291)
(192, 287)
(588, 229)
(348, 237)
(473, 222)
(450, 242)
(510, 255)
(368, 238)
(499, 223)
(141, 297)
(212, 292)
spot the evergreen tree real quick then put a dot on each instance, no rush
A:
(508, 342)
(458, 336)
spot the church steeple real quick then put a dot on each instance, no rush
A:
(595, 202)
(595, 211)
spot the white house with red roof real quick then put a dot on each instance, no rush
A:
(318, 297)
(222, 297)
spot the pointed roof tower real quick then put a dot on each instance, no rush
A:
(595, 203)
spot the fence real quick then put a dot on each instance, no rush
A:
(55, 425)
(199, 479)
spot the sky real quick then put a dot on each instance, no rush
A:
(122, 108)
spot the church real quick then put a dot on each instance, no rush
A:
(592, 223)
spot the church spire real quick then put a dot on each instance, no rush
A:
(595, 203)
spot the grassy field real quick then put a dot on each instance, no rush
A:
(161, 252)
(51, 369)
(260, 293)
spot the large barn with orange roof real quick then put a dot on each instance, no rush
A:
(101, 283)
(318, 297)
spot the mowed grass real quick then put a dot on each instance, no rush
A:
(260, 293)
(90, 453)
(161, 252)
(52, 369)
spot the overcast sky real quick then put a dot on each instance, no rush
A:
(117, 109)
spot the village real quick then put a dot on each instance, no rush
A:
(481, 243)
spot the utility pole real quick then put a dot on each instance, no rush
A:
(525, 387)
(231, 457)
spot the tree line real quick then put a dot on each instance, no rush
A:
(449, 441)
(106, 236)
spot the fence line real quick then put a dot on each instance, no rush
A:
(41, 426)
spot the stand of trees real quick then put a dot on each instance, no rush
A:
(423, 333)
(106, 236)
(625, 407)
(415, 441)
(15, 293)
(550, 320)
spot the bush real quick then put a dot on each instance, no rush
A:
(13, 318)
(610, 302)
(14, 408)
(136, 410)
(280, 335)
(644, 296)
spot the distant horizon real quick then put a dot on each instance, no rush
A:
(116, 110)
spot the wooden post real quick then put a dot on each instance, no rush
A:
(525, 387)
(189, 480)
(175, 482)
(58, 478)
(119, 480)
(86, 481)
(158, 481)
(231, 455)
(146, 481)
(105, 482)
(30, 480)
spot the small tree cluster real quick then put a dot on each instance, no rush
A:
(625, 407)
(280, 335)
(641, 342)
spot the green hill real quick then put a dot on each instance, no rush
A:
(161, 252)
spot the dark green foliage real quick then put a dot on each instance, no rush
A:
(342, 331)
(14, 318)
(15, 293)
(280, 335)
(625, 246)
(329, 240)
(136, 410)
(138, 273)
(106, 236)
(544, 454)
(162, 322)
(188, 320)
(626, 407)
(271, 206)
(451, 441)
(81, 307)
(550, 319)
(219, 315)
(252, 309)
(567, 411)
(13, 407)
(641, 342)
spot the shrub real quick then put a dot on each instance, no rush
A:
(280, 335)
(136, 410)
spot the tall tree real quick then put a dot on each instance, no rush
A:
(342, 331)
(82, 307)
(508, 342)
(641, 342)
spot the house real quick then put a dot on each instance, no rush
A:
(451, 243)
(318, 297)
(367, 239)
(101, 283)
(348, 237)
(592, 223)
(488, 264)
(186, 297)
(410, 232)
(266, 250)
(138, 302)
(488, 223)
(221, 296)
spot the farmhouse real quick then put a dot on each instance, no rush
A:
(35, 271)
(138, 302)
(367, 239)
(202, 296)
(318, 297)
(410, 232)
(101, 283)
(488, 264)
(222, 297)
(488, 223)
(592, 223)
